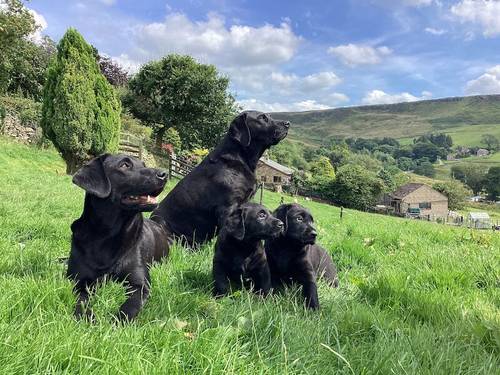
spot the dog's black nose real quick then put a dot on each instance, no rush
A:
(286, 124)
(313, 233)
(161, 175)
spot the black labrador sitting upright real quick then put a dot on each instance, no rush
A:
(239, 251)
(200, 202)
(294, 256)
(111, 237)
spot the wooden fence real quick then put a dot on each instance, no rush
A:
(131, 145)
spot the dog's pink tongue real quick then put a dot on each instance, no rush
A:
(148, 199)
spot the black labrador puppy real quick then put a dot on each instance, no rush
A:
(294, 256)
(111, 237)
(200, 202)
(239, 251)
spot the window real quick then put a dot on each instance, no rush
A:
(425, 205)
(263, 178)
(276, 179)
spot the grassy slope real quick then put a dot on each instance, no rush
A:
(466, 119)
(415, 298)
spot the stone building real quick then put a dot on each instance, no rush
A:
(273, 174)
(420, 201)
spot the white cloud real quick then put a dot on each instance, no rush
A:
(211, 41)
(297, 106)
(417, 3)
(126, 63)
(41, 23)
(488, 83)
(485, 13)
(319, 81)
(283, 80)
(380, 97)
(357, 54)
(434, 31)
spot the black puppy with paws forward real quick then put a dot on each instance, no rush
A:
(111, 238)
(239, 251)
(294, 256)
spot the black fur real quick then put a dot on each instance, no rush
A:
(239, 251)
(200, 202)
(294, 256)
(111, 237)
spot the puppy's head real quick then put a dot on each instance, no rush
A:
(123, 180)
(252, 221)
(259, 128)
(299, 223)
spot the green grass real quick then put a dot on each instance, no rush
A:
(415, 298)
(465, 119)
(443, 171)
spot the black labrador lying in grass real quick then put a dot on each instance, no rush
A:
(294, 256)
(200, 202)
(239, 251)
(111, 237)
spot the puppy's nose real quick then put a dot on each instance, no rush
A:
(313, 232)
(161, 175)
(286, 124)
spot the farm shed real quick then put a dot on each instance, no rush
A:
(273, 174)
(420, 201)
(479, 220)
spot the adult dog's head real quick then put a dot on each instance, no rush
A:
(252, 221)
(253, 127)
(123, 180)
(299, 223)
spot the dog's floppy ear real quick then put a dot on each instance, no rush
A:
(282, 213)
(92, 178)
(239, 130)
(235, 224)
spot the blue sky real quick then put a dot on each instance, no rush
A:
(303, 55)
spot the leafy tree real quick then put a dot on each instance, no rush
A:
(179, 92)
(406, 164)
(80, 113)
(365, 161)
(456, 192)
(172, 137)
(491, 142)
(472, 175)
(492, 183)
(356, 187)
(23, 63)
(113, 72)
(322, 167)
(339, 155)
(441, 140)
(425, 168)
(428, 150)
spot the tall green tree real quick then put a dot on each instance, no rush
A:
(491, 142)
(492, 183)
(472, 175)
(179, 92)
(456, 192)
(81, 112)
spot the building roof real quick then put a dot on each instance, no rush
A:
(276, 165)
(404, 190)
(478, 215)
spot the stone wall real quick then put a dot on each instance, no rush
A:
(12, 127)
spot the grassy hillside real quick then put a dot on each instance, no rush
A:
(466, 119)
(415, 298)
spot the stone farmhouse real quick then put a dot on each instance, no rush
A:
(419, 201)
(273, 174)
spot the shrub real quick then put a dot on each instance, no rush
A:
(456, 192)
(81, 113)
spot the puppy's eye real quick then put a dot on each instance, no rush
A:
(300, 218)
(262, 215)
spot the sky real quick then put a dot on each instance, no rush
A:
(302, 55)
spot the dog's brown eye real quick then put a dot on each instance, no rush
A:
(262, 215)
(300, 218)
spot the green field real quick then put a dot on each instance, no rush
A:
(465, 119)
(443, 171)
(415, 298)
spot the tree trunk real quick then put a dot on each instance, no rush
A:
(72, 164)
(159, 137)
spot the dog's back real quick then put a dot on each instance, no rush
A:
(323, 265)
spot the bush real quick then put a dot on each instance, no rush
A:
(81, 112)
(133, 126)
(456, 192)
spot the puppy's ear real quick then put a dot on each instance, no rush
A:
(239, 130)
(235, 224)
(92, 178)
(282, 213)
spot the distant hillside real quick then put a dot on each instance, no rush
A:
(465, 118)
